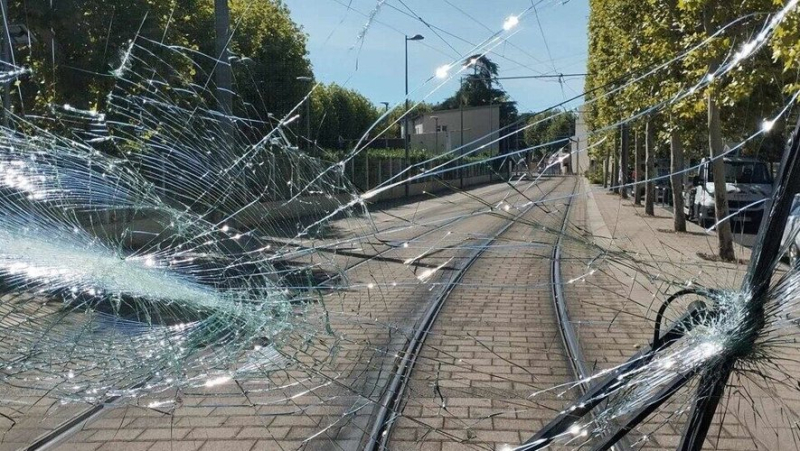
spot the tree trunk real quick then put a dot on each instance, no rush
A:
(724, 233)
(650, 168)
(637, 176)
(605, 170)
(676, 178)
(623, 162)
(615, 173)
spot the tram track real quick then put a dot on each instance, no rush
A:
(391, 401)
(62, 433)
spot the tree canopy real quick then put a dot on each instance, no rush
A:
(339, 115)
(553, 128)
(79, 42)
(480, 87)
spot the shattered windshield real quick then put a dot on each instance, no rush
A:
(398, 225)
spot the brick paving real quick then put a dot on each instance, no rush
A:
(308, 400)
(494, 346)
(614, 308)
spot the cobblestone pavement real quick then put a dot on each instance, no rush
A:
(310, 399)
(494, 345)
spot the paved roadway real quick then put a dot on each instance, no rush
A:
(393, 262)
(494, 344)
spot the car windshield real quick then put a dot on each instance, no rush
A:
(399, 224)
(744, 172)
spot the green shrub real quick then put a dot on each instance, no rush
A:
(595, 175)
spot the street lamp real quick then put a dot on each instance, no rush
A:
(436, 133)
(385, 134)
(308, 112)
(461, 108)
(406, 133)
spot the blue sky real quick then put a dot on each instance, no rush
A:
(374, 66)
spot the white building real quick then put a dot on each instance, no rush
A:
(479, 127)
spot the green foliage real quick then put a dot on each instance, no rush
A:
(553, 127)
(628, 38)
(88, 37)
(595, 174)
(786, 48)
(481, 88)
(78, 42)
(392, 123)
(268, 49)
(339, 115)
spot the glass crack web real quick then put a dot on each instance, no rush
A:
(191, 277)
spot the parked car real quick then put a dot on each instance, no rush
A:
(791, 233)
(747, 181)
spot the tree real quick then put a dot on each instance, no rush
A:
(481, 88)
(702, 19)
(340, 115)
(641, 35)
(79, 42)
(552, 129)
(268, 52)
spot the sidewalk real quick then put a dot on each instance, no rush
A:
(613, 305)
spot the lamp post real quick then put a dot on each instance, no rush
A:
(385, 135)
(5, 53)
(436, 133)
(461, 160)
(308, 113)
(406, 133)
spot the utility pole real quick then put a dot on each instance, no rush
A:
(5, 55)
(308, 145)
(623, 160)
(436, 133)
(385, 135)
(222, 73)
(461, 160)
(406, 131)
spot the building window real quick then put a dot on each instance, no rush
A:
(441, 128)
(418, 129)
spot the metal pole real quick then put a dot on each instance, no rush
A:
(406, 131)
(386, 135)
(623, 160)
(6, 57)
(222, 72)
(461, 160)
(308, 123)
(436, 134)
(308, 145)
(762, 265)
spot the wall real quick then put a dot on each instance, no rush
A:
(480, 124)
(111, 226)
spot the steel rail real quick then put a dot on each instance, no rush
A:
(74, 424)
(435, 229)
(568, 335)
(572, 345)
(392, 398)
